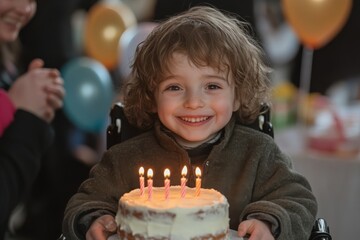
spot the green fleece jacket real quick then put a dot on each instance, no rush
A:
(246, 166)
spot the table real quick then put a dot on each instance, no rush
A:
(335, 183)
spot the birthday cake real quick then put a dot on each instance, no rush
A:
(190, 217)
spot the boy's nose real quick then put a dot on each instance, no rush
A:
(194, 100)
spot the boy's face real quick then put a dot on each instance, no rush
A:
(14, 14)
(195, 103)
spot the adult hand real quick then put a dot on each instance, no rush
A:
(258, 230)
(102, 228)
(39, 91)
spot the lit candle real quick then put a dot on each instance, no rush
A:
(198, 181)
(183, 181)
(150, 182)
(167, 183)
(141, 179)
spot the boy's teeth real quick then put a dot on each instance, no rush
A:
(194, 120)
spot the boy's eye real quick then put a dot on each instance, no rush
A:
(213, 86)
(173, 88)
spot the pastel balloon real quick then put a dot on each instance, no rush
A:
(277, 36)
(316, 22)
(104, 26)
(89, 93)
(129, 41)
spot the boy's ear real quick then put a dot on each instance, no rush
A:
(236, 105)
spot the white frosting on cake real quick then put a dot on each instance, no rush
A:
(175, 217)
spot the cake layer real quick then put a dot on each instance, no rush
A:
(129, 236)
(191, 217)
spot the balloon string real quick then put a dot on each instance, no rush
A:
(305, 79)
(305, 74)
(304, 90)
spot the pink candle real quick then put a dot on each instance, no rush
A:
(183, 181)
(150, 183)
(198, 181)
(141, 180)
(167, 183)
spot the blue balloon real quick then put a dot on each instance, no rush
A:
(89, 93)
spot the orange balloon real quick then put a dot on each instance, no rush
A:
(316, 22)
(104, 26)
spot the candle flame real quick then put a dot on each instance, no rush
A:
(198, 172)
(167, 173)
(141, 171)
(184, 171)
(150, 173)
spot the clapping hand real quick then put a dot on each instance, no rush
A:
(39, 91)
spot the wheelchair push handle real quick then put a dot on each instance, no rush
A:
(320, 230)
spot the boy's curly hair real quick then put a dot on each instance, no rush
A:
(209, 38)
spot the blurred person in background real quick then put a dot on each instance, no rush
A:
(49, 36)
(27, 105)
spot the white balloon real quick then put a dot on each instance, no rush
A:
(280, 42)
(129, 41)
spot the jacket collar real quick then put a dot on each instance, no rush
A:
(169, 143)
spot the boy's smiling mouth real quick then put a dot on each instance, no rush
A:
(194, 119)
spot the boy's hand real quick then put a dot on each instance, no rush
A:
(258, 230)
(102, 228)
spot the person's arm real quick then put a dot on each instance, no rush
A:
(7, 111)
(39, 91)
(35, 95)
(21, 148)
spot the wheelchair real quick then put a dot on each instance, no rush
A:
(120, 129)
